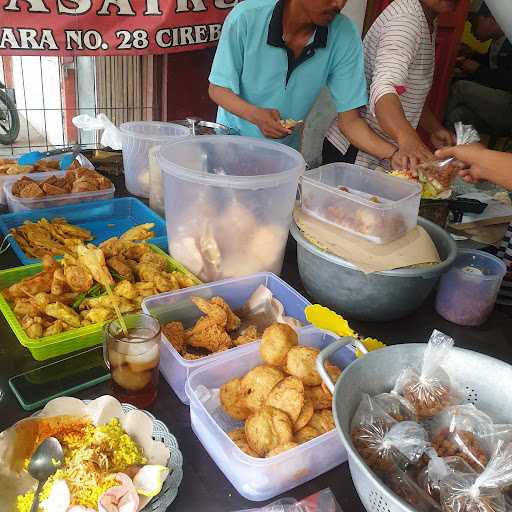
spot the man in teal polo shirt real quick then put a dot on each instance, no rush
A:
(272, 61)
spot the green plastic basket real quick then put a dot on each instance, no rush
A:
(69, 341)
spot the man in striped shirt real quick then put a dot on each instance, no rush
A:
(399, 54)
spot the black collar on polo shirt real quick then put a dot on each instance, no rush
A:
(275, 38)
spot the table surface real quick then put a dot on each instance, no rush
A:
(204, 487)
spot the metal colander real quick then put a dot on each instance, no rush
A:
(483, 381)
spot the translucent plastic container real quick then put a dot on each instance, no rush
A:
(259, 479)
(228, 203)
(177, 306)
(138, 137)
(467, 293)
(18, 204)
(369, 204)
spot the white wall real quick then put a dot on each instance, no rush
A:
(324, 112)
(37, 86)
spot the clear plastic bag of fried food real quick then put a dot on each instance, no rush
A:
(484, 492)
(466, 432)
(383, 442)
(437, 176)
(438, 469)
(429, 389)
(396, 406)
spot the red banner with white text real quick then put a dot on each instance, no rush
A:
(109, 27)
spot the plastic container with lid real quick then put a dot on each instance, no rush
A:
(177, 306)
(19, 204)
(196, 127)
(138, 138)
(370, 204)
(259, 479)
(467, 292)
(228, 203)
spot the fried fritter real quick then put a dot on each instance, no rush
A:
(93, 259)
(305, 434)
(267, 429)
(280, 449)
(64, 313)
(276, 342)
(29, 286)
(257, 384)
(238, 437)
(33, 326)
(59, 284)
(141, 232)
(288, 396)
(231, 400)
(78, 278)
(322, 421)
(118, 264)
(156, 260)
(319, 397)
(305, 415)
(301, 362)
(175, 333)
(28, 307)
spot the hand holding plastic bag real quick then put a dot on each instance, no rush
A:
(429, 391)
(462, 492)
(111, 136)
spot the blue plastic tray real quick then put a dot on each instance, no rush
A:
(104, 219)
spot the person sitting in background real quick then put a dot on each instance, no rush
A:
(484, 97)
(399, 53)
(274, 58)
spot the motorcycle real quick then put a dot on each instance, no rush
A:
(9, 118)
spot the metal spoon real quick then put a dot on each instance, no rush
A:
(47, 458)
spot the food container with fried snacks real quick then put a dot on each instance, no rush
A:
(369, 204)
(259, 479)
(177, 306)
(478, 375)
(228, 203)
(18, 204)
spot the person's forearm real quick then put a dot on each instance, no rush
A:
(392, 119)
(231, 102)
(497, 167)
(428, 121)
(363, 137)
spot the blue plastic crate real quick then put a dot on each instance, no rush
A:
(104, 219)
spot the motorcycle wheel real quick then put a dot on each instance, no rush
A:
(9, 119)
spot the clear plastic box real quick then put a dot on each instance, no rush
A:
(177, 306)
(369, 204)
(138, 137)
(259, 479)
(228, 203)
(18, 204)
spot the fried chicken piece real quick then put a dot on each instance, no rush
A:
(93, 259)
(175, 333)
(78, 278)
(119, 265)
(64, 313)
(59, 283)
(141, 232)
(214, 339)
(125, 289)
(215, 313)
(191, 357)
(154, 259)
(233, 322)
(248, 335)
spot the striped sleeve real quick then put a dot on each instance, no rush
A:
(397, 45)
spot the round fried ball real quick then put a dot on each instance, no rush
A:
(288, 396)
(257, 384)
(305, 414)
(231, 400)
(267, 429)
(276, 341)
(320, 398)
(281, 449)
(301, 363)
(305, 434)
(238, 437)
(322, 421)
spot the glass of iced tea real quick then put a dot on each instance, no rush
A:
(133, 359)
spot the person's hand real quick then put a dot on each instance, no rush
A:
(442, 137)
(396, 160)
(469, 155)
(469, 66)
(268, 120)
(413, 152)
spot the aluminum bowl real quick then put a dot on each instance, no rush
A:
(380, 296)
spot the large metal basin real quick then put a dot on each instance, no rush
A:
(380, 296)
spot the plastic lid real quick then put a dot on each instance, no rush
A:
(153, 130)
(231, 161)
(479, 265)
